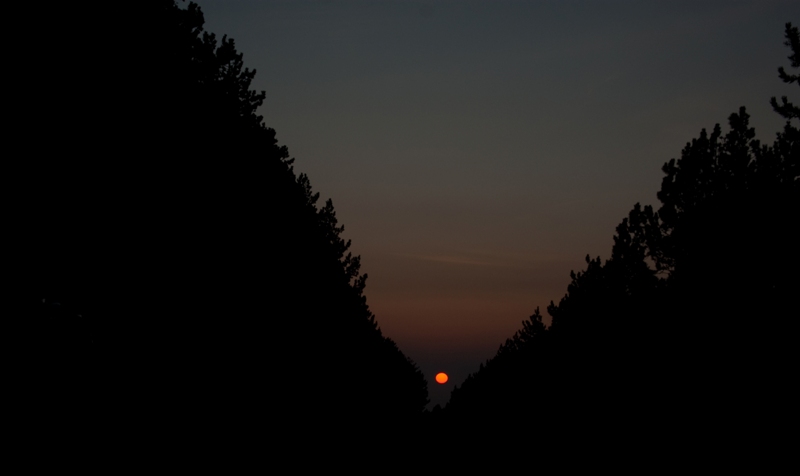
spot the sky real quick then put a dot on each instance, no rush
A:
(477, 151)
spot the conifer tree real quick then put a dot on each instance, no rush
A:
(218, 293)
(786, 108)
(693, 313)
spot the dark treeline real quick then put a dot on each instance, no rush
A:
(689, 328)
(174, 277)
(177, 277)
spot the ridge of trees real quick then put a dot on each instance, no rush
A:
(218, 294)
(689, 324)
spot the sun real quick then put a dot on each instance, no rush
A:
(441, 377)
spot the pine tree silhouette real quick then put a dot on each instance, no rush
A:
(786, 108)
(220, 298)
(689, 322)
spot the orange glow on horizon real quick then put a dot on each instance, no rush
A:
(441, 377)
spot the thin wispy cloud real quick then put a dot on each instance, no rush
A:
(504, 260)
(458, 260)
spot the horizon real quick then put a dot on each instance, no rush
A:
(445, 134)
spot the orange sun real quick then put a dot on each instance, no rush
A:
(441, 377)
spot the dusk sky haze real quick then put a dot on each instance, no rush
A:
(476, 152)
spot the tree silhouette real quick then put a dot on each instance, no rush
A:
(691, 319)
(787, 109)
(218, 294)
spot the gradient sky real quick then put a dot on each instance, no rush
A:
(476, 152)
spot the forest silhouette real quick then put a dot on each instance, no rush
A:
(689, 324)
(178, 274)
(179, 277)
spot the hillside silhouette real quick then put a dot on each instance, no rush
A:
(688, 328)
(177, 276)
